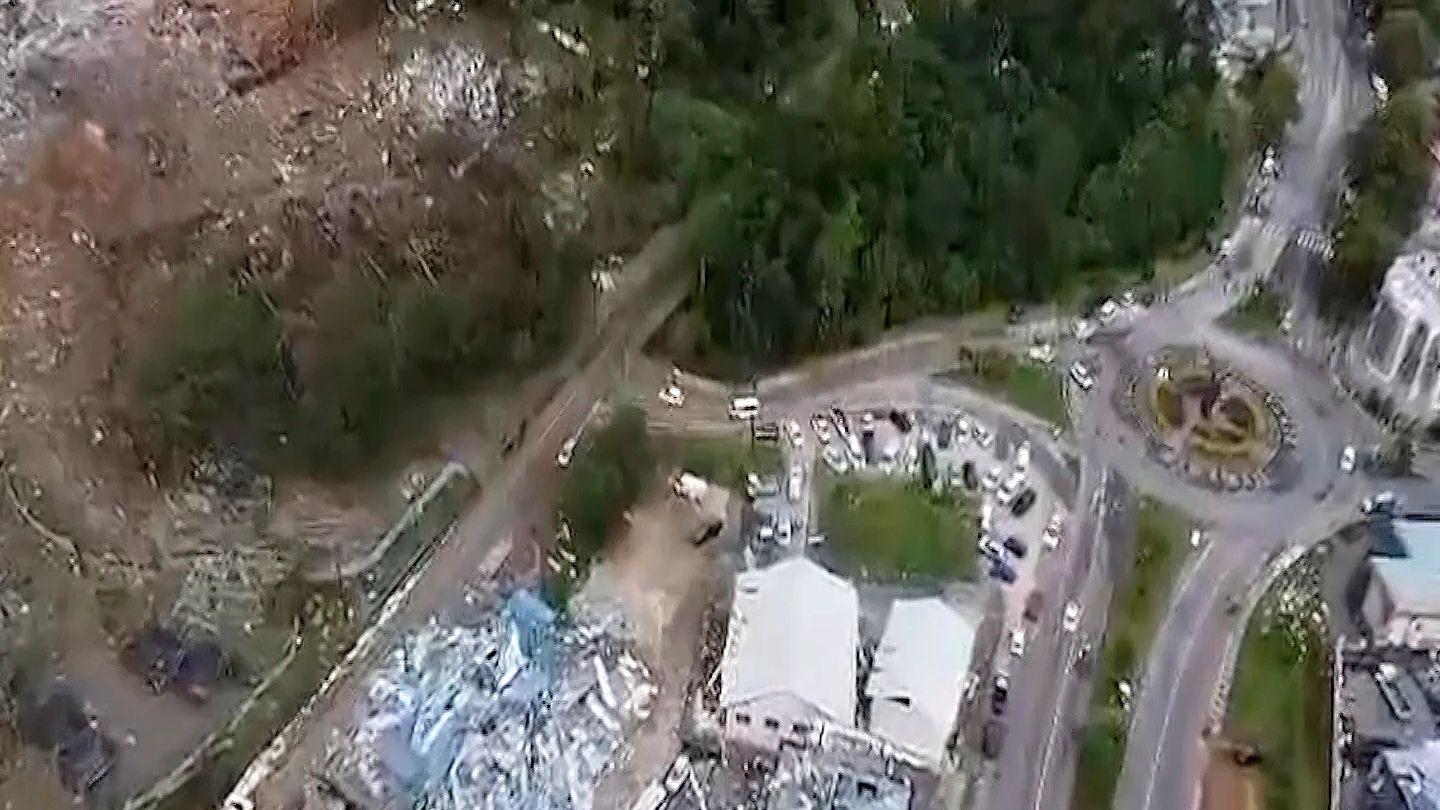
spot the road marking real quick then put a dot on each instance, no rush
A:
(1170, 704)
(1054, 728)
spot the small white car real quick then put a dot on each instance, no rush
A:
(991, 481)
(782, 534)
(672, 395)
(1022, 457)
(1379, 502)
(1070, 621)
(983, 436)
(1017, 642)
(792, 432)
(1082, 376)
(962, 428)
(1050, 537)
(1041, 353)
(796, 484)
(1108, 310)
(835, 459)
(821, 426)
(567, 452)
(1347, 460)
(1084, 329)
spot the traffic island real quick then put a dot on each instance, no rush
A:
(1274, 748)
(1207, 421)
(1137, 606)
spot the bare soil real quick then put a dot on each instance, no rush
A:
(1227, 786)
(665, 584)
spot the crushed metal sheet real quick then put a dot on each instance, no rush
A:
(520, 711)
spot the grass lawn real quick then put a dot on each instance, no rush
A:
(1137, 606)
(1259, 314)
(1280, 701)
(726, 461)
(1030, 386)
(886, 531)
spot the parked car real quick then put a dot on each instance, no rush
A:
(1070, 621)
(1016, 546)
(1017, 642)
(835, 459)
(1379, 503)
(1023, 502)
(792, 432)
(1082, 376)
(821, 426)
(795, 488)
(672, 395)
(991, 480)
(1050, 537)
(999, 570)
(901, 422)
(567, 452)
(767, 432)
(983, 436)
(842, 424)
(944, 433)
(1347, 460)
(968, 476)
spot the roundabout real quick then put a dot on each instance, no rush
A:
(1207, 421)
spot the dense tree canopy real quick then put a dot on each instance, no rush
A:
(844, 176)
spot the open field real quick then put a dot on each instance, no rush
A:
(888, 530)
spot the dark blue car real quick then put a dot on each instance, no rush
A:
(1002, 572)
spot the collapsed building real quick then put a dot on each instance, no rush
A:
(519, 711)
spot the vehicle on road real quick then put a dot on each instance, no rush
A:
(835, 459)
(821, 426)
(1023, 502)
(1380, 503)
(1017, 642)
(1016, 546)
(968, 476)
(672, 395)
(744, 407)
(1082, 376)
(796, 487)
(1000, 693)
(792, 432)
(999, 570)
(1070, 621)
(567, 452)
(901, 421)
(1347, 460)
(1034, 603)
(1022, 457)
(992, 739)
(1050, 537)
(766, 432)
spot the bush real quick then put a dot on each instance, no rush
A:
(606, 478)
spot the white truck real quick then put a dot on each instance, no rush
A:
(689, 486)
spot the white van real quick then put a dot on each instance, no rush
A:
(744, 408)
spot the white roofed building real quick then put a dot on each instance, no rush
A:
(918, 681)
(790, 657)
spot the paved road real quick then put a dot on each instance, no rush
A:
(493, 516)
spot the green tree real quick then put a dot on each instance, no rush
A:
(606, 478)
(1404, 47)
(1274, 100)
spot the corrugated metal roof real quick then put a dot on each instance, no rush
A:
(1416, 774)
(794, 629)
(919, 676)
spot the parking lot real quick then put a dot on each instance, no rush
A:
(976, 457)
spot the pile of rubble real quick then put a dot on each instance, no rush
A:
(518, 711)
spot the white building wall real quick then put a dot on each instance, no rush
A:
(763, 724)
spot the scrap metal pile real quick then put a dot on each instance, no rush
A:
(518, 712)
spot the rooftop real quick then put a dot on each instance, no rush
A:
(919, 676)
(794, 629)
(1408, 562)
(1415, 775)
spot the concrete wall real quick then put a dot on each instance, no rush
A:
(748, 726)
